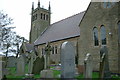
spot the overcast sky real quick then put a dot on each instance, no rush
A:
(19, 11)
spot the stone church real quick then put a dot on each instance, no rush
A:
(89, 30)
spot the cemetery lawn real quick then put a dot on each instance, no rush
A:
(13, 75)
(55, 72)
(96, 75)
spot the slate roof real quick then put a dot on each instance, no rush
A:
(29, 47)
(63, 29)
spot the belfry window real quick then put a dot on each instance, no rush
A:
(95, 36)
(47, 17)
(41, 15)
(44, 16)
(103, 35)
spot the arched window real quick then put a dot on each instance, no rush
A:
(53, 50)
(44, 16)
(95, 36)
(103, 35)
(47, 17)
(119, 31)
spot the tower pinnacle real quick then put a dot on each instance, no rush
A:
(32, 5)
(38, 3)
(49, 8)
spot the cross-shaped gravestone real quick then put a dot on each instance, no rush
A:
(32, 58)
(48, 49)
(88, 62)
(104, 63)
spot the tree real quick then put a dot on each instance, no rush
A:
(9, 40)
(4, 19)
(4, 31)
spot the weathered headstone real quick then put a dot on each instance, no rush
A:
(1, 70)
(46, 74)
(20, 66)
(11, 61)
(32, 58)
(88, 63)
(104, 63)
(38, 65)
(48, 49)
(67, 60)
(2, 66)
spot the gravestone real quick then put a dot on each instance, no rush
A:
(38, 65)
(1, 69)
(2, 66)
(20, 66)
(32, 58)
(88, 63)
(11, 61)
(48, 49)
(67, 60)
(104, 63)
(46, 74)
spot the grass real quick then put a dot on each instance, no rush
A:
(55, 72)
(37, 76)
(96, 75)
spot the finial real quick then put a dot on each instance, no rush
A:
(38, 3)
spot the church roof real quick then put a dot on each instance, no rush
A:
(27, 47)
(63, 29)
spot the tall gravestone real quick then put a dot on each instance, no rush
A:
(67, 60)
(20, 66)
(88, 63)
(104, 63)
(38, 65)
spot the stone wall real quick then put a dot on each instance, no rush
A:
(96, 16)
(55, 58)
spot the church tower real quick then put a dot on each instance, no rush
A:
(40, 20)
